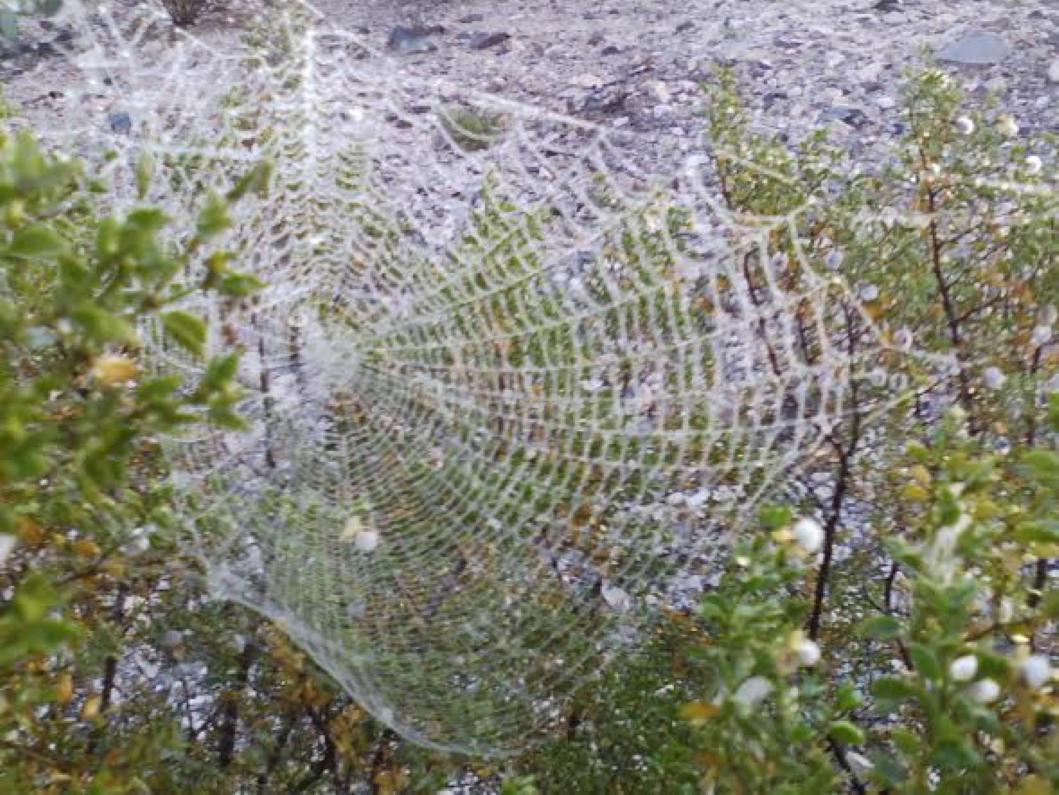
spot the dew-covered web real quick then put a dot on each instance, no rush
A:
(513, 381)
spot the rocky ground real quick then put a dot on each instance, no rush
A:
(806, 62)
(637, 65)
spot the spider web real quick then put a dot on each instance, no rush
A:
(513, 382)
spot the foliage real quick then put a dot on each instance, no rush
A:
(892, 629)
(903, 639)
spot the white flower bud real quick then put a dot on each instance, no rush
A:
(1033, 165)
(965, 125)
(753, 691)
(1007, 125)
(963, 669)
(993, 377)
(616, 597)
(808, 534)
(808, 653)
(7, 544)
(984, 691)
(366, 540)
(903, 338)
(1035, 670)
(869, 293)
(1042, 334)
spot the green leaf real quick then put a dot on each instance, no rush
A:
(773, 517)
(845, 732)
(158, 388)
(214, 217)
(35, 242)
(894, 688)
(1050, 603)
(847, 697)
(34, 597)
(994, 666)
(186, 329)
(256, 180)
(239, 284)
(888, 770)
(880, 627)
(924, 661)
(1044, 464)
(144, 169)
(1042, 531)
(220, 371)
(908, 742)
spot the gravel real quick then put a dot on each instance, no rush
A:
(804, 62)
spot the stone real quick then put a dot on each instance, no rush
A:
(587, 80)
(120, 123)
(1053, 71)
(412, 40)
(483, 41)
(470, 18)
(854, 117)
(978, 48)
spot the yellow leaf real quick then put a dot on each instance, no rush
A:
(86, 548)
(921, 475)
(699, 711)
(29, 531)
(91, 707)
(64, 688)
(352, 528)
(114, 567)
(111, 370)
(1034, 785)
(913, 491)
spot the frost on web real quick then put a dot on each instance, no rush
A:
(512, 384)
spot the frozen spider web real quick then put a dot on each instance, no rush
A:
(514, 380)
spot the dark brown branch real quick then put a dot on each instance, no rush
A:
(230, 724)
(842, 483)
(951, 318)
(840, 756)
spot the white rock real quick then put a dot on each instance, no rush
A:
(1053, 71)
(1034, 165)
